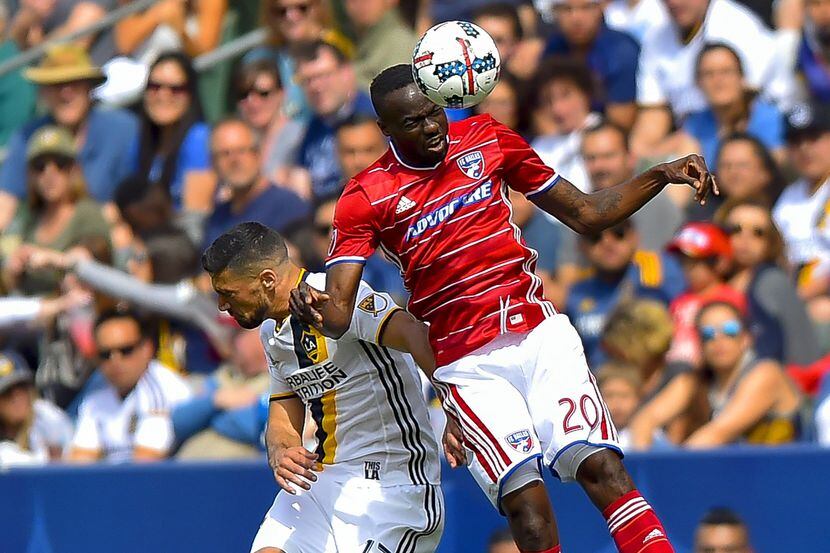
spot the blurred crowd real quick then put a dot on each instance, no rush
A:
(704, 325)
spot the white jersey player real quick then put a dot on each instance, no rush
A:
(370, 481)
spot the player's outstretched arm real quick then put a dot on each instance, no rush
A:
(329, 311)
(404, 332)
(593, 213)
(290, 461)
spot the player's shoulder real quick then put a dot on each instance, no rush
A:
(473, 126)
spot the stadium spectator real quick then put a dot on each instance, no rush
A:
(564, 89)
(621, 387)
(813, 59)
(503, 21)
(226, 419)
(780, 327)
(328, 79)
(17, 95)
(129, 417)
(731, 105)
(705, 253)
(611, 55)
(801, 210)
(639, 333)
(32, 431)
(721, 530)
(359, 143)
(173, 149)
(636, 18)
(618, 272)
(103, 137)
(261, 103)
(251, 196)
(504, 103)
(501, 541)
(58, 214)
(752, 400)
(383, 38)
(666, 89)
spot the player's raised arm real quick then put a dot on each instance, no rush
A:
(592, 213)
(329, 311)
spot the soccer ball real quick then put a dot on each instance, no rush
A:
(456, 64)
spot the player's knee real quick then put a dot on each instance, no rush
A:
(605, 470)
(530, 515)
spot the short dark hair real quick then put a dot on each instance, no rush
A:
(123, 313)
(389, 80)
(501, 10)
(244, 245)
(310, 50)
(357, 119)
(721, 516)
(561, 68)
(711, 47)
(248, 72)
(606, 125)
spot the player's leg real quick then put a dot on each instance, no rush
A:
(580, 441)
(295, 524)
(530, 517)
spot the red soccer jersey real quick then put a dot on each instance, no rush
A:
(449, 229)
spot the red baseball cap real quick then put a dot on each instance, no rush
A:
(701, 240)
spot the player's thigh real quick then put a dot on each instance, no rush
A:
(295, 524)
(393, 518)
(569, 414)
(494, 418)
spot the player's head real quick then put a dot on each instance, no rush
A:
(416, 126)
(124, 348)
(247, 267)
(721, 529)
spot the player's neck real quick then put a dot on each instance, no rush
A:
(293, 276)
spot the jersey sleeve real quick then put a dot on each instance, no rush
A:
(278, 388)
(355, 233)
(371, 313)
(524, 170)
(86, 431)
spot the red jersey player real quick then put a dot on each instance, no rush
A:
(511, 371)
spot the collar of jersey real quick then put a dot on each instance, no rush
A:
(408, 166)
(303, 275)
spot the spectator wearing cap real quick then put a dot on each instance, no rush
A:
(383, 39)
(57, 215)
(813, 60)
(129, 417)
(611, 55)
(722, 530)
(705, 253)
(636, 18)
(328, 78)
(617, 271)
(779, 322)
(251, 196)
(103, 137)
(801, 212)
(32, 430)
(666, 88)
(751, 399)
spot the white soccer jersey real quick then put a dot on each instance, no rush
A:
(115, 426)
(802, 218)
(365, 399)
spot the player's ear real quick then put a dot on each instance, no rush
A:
(383, 128)
(268, 279)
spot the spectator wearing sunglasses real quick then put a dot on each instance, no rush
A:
(57, 215)
(780, 325)
(235, 151)
(618, 271)
(260, 102)
(129, 417)
(752, 400)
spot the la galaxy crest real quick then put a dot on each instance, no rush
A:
(373, 304)
(314, 345)
(472, 164)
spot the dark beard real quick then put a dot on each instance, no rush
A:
(252, 322)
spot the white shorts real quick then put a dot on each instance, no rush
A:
(526, 397)
(347, 514)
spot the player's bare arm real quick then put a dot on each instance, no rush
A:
(592, 213)
(329, 311)
(290, 461)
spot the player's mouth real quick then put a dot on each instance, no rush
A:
(436, 143)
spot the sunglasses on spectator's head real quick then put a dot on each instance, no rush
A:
(39, 164)
(107, 354)
(757, 232)
(619, 232)
(730, 329)
(260, 92)
(282, 11)
(155, 86)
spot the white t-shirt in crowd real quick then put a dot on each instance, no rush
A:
(666, 71)
(115, 426)
(804, 222)
(637, 20)
(563, 152)
(51, 431)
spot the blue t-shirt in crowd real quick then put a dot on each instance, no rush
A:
(276, 207)
(814, 69)
(590, 301)
(765, 123)
(318, 151)
(545, 237)
(111, 135)
(613, 58)
(194, 155)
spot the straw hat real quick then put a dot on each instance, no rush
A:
(65, 63)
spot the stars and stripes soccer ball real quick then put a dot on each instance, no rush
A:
(456, 64)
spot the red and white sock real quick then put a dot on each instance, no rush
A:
(554, 549)
(635, 527)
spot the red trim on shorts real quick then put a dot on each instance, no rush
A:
(477, 421)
